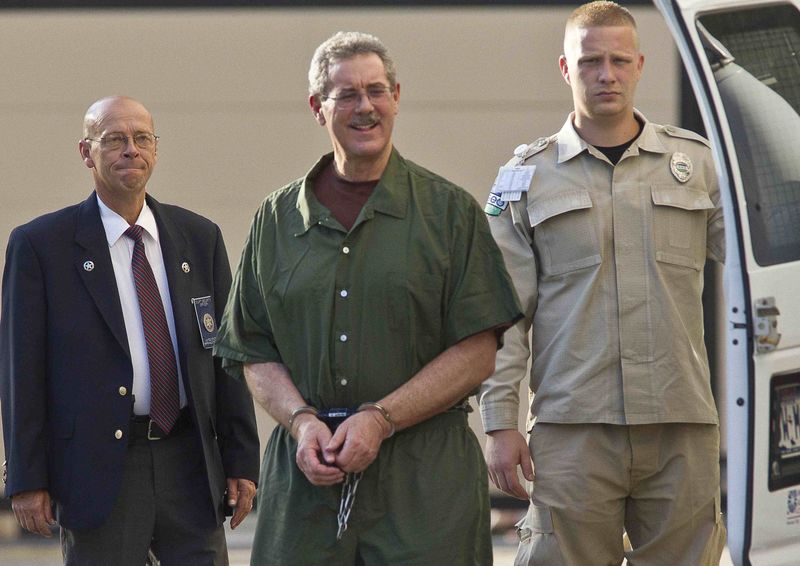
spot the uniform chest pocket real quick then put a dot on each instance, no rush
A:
(564, 232)
(680, 216)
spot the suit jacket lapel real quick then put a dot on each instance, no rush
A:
(93, 262)
(176, 262)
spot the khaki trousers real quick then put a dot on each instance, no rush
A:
(659, 483)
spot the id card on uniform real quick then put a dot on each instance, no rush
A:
(204, 309)
(513, 180)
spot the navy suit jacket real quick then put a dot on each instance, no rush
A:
(65, 357)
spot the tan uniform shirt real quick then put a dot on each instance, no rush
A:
(608, 265)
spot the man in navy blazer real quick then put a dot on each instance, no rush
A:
(74, 375)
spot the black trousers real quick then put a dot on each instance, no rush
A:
(164, 503)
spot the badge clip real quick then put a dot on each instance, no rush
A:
(513, 180)
(204, 310)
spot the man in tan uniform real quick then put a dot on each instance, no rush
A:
(605, 228)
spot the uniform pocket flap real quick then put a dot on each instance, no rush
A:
(541, 210)
(682, 197)
(523, 528)
(677, 259)
(541, 520)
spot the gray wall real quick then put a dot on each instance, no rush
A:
(227, 89)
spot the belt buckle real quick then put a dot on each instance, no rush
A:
(150, 431)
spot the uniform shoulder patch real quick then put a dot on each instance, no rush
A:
(676, 132)
(495, 205)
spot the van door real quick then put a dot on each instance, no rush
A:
(743, 60)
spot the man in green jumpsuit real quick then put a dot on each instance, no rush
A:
(372, 285)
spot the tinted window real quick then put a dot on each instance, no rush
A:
(757, 68)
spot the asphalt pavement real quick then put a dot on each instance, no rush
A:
(18, 549)
(28, 550)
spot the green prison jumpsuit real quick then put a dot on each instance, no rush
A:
(354, 315)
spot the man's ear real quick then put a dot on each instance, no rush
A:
(562, 64)
(396, 98)
(85, 149)
(316, 109)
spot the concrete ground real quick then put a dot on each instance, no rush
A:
(27, 550)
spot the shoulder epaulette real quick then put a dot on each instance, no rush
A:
(676, 132)
(526, 151)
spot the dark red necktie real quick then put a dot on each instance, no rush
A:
(164, 396)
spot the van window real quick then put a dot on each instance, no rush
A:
(755, 54)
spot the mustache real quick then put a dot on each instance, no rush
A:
(365, 119)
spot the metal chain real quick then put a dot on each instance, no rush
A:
(347, 500)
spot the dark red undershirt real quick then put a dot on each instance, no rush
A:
(344, 199)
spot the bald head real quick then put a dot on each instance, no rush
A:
(100, 110)
(120, 147)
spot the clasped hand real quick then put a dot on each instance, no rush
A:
(325, 457)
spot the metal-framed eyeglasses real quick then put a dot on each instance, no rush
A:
(347, 99)
(142, 140)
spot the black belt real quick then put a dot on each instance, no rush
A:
(145, 428)
(334, 417)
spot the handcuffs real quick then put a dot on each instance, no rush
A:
(333, 418)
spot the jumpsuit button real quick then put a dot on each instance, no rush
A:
(123, 391)
(343, 293)
(343, 338)
(118, 434)
(345, 250)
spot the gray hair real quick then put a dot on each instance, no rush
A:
(342, 46)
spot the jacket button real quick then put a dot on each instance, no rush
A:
(118, 434)
(123, 391)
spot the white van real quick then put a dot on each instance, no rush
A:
(743, 60)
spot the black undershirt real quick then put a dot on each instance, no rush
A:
(614, 153)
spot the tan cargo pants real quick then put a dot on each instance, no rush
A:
(659, 482)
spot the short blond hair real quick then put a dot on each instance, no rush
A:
(600, 13)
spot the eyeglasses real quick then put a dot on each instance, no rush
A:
(348, 99)
(142, 140)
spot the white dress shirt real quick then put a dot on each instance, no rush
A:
(121, 248)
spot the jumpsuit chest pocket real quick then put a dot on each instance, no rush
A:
(415, 302)
(415, 316)
(564, 231)
(297, 291)
(680, 216)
